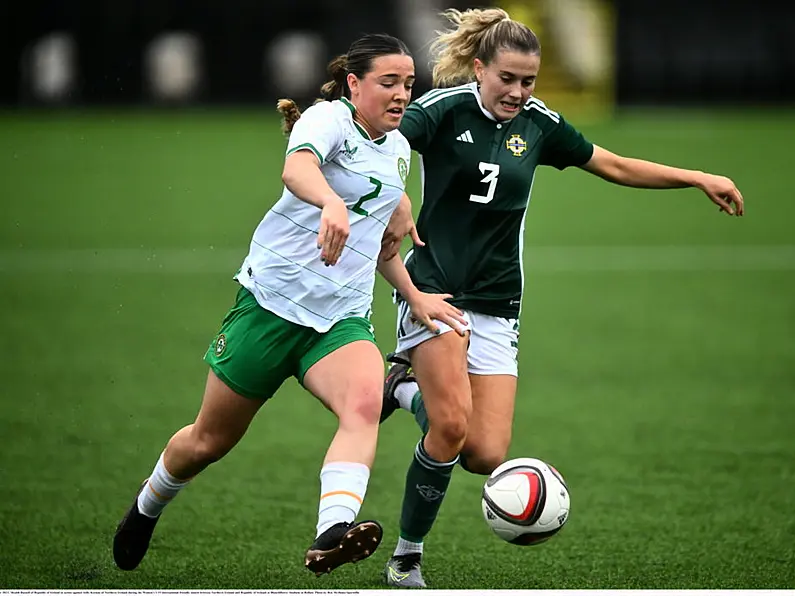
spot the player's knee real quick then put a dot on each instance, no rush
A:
(452, 427)
(209, 448)
(363, 407)
(483, 454)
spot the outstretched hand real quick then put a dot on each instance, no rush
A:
(401, 224)
(723, 192)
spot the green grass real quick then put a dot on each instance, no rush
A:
(657, 365)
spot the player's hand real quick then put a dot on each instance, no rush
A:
(334, 230)
(401, 224)
(723, 193)
(425, 308)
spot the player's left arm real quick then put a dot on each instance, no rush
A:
(401, 224)
(425, 308)
(639, 173)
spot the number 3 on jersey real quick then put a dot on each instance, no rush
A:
(491, 171)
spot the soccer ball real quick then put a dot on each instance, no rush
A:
(525, 501)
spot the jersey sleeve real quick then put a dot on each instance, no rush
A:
(564, 145)
(320, 130)
(420, 122)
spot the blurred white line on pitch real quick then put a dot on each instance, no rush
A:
(537, 259)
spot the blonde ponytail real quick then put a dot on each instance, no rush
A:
(477, 33)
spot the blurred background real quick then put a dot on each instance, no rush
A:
(96, 52)
(139, 148)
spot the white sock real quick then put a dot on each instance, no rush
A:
(342, 489)
(404, 394)
(159, 490)
(406, 547)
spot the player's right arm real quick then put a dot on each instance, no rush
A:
(302, 177)
(316, 137)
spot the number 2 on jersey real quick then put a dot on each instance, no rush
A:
(491, 171)
(357, 208)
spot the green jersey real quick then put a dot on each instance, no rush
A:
(477, 175)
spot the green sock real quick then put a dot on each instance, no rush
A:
(420, 415)
(426, 484)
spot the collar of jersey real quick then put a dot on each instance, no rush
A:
(358, 126)
(489, 115)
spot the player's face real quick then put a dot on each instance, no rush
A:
(381, 97)
(507, 82)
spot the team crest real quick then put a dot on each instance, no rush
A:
(516, 145)
(429, 493)
(403, 170)
(220, 345)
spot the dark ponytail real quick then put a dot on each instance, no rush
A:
(290, 114)
(338, 85)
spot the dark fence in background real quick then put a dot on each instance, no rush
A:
(716, 51)
(111, 37)
(705, 51)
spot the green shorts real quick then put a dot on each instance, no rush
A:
(256, 351)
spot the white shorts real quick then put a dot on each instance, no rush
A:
(493, 341)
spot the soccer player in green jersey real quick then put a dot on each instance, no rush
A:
(302, 309)
(482, 135)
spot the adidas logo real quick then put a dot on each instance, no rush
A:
(465, 137)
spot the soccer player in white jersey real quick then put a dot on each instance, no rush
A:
(481, 136)
(303, 306)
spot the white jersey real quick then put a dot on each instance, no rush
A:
(283, 269)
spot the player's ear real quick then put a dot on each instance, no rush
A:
(479, 69)
(353, 83)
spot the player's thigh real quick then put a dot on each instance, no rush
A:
(345, 371)
(494, 345)
(255, 350)
(439, 362)
(491, 423)
(411, 333)
(440, 366)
